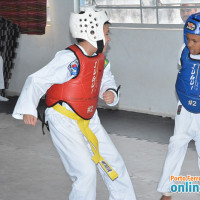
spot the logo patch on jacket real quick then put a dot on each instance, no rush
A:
(191, 26)
(74, 67)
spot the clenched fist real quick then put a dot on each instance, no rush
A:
(108, 97)
(30, 119)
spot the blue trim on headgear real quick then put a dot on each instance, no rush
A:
(192, 25)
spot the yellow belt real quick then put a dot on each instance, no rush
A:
(90, 136)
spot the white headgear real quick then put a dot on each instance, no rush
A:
(89, 26)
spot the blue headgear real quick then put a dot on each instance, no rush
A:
(192, 25)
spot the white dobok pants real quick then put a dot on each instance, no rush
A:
(76, 157)
(187, 128)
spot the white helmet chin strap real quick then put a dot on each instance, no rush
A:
(89, 26)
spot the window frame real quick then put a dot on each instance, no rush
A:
(141, 7)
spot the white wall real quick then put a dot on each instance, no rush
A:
(143, 61)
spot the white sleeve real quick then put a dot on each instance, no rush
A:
(108, 84)
(180, 53)
(36, 85)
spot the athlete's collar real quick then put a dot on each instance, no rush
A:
(84, 52)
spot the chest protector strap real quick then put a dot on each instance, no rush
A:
(188, 82)
(90, 136)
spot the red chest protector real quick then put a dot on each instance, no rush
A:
(82, 92)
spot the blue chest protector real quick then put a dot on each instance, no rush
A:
(188, 82)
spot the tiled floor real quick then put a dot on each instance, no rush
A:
(30, 168)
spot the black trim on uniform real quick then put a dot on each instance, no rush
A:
(42, 119)
(116, 91)
(196, 19)
(100, 46)
(181, 56)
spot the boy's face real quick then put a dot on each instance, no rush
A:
(186, 12)
(193, 43)
(106, 35)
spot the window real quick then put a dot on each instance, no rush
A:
(150, 13)
(48, 14)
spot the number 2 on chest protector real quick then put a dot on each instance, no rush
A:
(192, 103)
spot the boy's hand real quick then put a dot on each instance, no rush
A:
(108, 97)
(30, 119)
